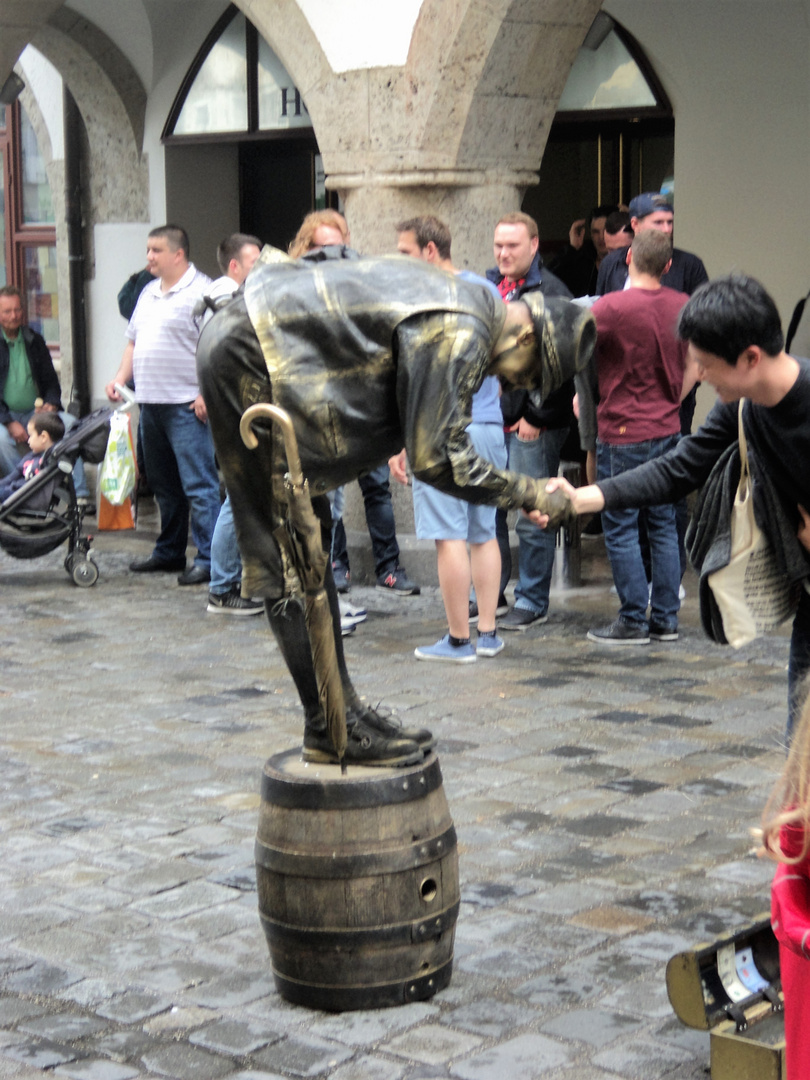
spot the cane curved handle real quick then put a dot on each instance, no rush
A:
(263, 411)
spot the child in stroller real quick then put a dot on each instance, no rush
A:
(40, 513)
(44, 429)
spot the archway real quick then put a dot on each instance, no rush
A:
(613, 135)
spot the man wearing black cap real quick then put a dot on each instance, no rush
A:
(367, 355)
(652, 211)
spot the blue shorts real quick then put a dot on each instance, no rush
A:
(444, 517)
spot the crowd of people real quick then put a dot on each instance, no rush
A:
(633, 405)
(471, 388)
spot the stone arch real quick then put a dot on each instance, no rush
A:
(111, 60)
(117, 171)
(479, 89)
(459, 129)
(517, 55)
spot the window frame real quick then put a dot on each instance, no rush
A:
(252, 132)
(19, 236)
(661, 110)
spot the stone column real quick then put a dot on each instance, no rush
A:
(469, 201)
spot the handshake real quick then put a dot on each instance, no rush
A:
(558, 503)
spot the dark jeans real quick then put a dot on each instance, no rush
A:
(376, 489)
(622, 543)
(536, 547)
(538, 458)
(179, 455)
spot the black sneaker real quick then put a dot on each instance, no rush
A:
(391, 728)
(658, 633)
(397, 581)
(233, 603)
(520, 618)
(501, 609)
(620, 633)
(364, 746)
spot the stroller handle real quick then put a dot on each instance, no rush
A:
(127, 395)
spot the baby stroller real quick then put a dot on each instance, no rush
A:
(43, 513)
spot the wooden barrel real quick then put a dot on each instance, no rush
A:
(358, 882)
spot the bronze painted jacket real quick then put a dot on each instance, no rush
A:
(367, 355)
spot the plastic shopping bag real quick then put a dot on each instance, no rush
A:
(116, 478)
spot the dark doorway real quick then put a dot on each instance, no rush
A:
(276, 187)
(588, 164)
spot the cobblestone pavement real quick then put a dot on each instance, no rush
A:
(602, 800)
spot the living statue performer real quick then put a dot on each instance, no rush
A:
(365, 356)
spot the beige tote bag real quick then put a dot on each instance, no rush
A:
(752, 594)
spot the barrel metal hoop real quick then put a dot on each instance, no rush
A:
(353, 938)
(379, 995)
(330, 865)
(304, 793)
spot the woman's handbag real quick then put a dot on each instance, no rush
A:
(752, 593)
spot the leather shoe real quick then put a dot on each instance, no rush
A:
(153, 565)
(195, 575)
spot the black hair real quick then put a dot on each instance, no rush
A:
(175, 236)
(231, 248)
(618, 221)
(50, 423)
(725, 316)
(605, 210)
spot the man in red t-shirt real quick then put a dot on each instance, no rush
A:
(641, 369)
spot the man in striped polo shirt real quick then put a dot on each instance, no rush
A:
(178, 451)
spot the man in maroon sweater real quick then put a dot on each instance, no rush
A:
(640, 364)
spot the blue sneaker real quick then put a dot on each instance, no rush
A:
(342, 576)
(488, 645)
(446, 653)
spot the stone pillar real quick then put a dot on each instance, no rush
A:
(469, 201)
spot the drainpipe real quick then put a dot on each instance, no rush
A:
(75, 242)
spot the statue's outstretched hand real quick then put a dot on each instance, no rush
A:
(583, 500)
(552, 509)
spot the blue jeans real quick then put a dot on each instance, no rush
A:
(622, 543)
(376, 489)
(226, 563)
(538, 458)
(179, 456)
(11, 452)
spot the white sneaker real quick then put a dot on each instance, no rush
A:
(351, 613)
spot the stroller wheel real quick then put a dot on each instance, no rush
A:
(85, 574)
